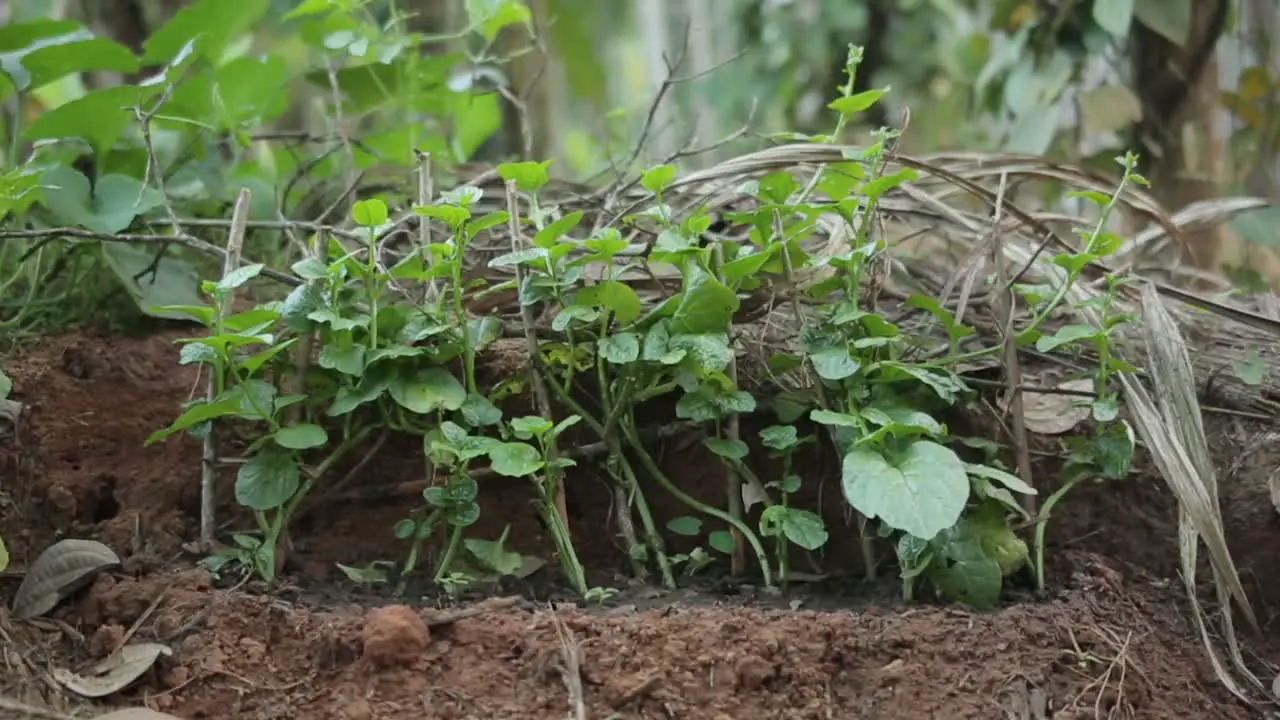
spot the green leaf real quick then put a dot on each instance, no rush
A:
(109, 208)
(706, 305)
(976, 551)
(525, 256)
(973, 579)
(20, 40)
(99, 118)
(239, 277)
(4, 556)
(369, 213)
(451, 215)
(494, 556)
(921, 490)
(746, 266)
(902, 421)
(710, 352)
(836, 419)
(337, 322)
(405, 529)
(834, 363)
(491, 16)
(1251, 370)
(914, 556)
(1114, 16)
(657, 178)
(565, 424)
(301, 437)
(657, 346)
(476, 118)
(87, 54)
(529, 177)
(479, 411)
(483, 331)
(1009, 480)
(1170, 18)
(6, 386)
(721, 540)
(515, 459)
(729, 449)
(346, 360)
(428, 390)
(704, 405)
(200, 412)
(311, 7)
(945, 385)
(617, 297)
(620, 349)
(1066, 335)
(1034, 131)
(551, 234)
(493, 219)
(780, 437)
(18, 187)
(209, 24)
(531, 426)
(267, 481)
(856, 103)
(170, 292)
(804, 528)
(606, 243)
(686, 525)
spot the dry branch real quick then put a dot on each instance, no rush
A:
(209, 460)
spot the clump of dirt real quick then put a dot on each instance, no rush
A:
(1111, 642)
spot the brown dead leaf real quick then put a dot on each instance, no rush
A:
(1054, 414)
(115, 672)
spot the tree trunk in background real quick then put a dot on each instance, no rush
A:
(702, 58)
(538, 80)
(1180, 137)
(653, 23)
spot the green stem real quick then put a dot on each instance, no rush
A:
(455, 540)
(652, 535)
(560, 534)
(1043, 521)
(334, 457)
(460, 313)
(647, 460)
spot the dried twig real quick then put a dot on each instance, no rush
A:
(209, 464)
(1004, 310)
(31, 711)
(571, 670)
(51, 234)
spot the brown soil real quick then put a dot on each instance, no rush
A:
(1111, 641)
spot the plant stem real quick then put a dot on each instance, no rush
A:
(610, 440)
(647, 460)
(556, 501)
(1042, 523)
(733, 479)
(455, 539)
(622, 505)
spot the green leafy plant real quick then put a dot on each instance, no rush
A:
(783, 522)
(372, 341)
(1108, 453)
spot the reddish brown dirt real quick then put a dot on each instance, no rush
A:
(1111, 642)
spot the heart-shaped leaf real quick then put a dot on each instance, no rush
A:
(108, 208)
